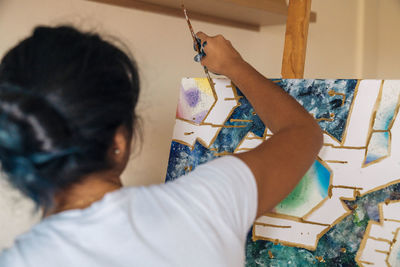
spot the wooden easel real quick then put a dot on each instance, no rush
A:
(294, 54)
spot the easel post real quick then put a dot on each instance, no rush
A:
(294, 54)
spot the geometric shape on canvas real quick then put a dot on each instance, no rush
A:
(310, 191)
(200, 118)
(195, 100)
(378, 147)
(379, 246)
(332, 231)
(393, 259)
(388, 104)
(324, 99)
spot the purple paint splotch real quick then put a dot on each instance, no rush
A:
(192, 96)
(199, 117)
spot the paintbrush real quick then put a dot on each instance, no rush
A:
(197, 44)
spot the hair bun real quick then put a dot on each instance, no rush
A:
(35, 142)
(75, 90)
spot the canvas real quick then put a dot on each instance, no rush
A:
(346, 209)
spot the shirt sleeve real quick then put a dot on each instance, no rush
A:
(224, 188)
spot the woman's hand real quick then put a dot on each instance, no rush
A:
(221, 57)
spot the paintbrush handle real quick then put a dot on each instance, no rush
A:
(209, 77)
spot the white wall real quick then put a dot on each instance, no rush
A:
(163, 48)
(388, 38)
(332, 43)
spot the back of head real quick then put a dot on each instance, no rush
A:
(63, 95)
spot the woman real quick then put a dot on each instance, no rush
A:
(67, 118)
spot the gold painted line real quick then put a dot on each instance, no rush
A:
(293, 218)
(231, 126)
(256, 237)
(337, 161)
(377, 160)
(334, 138)
(183, 143)
(223, 153)
(315, 208)
(274, 225)
(189, 168)
(285, 243)
(320, 258)
(324, 119)
(221, 125)
(201, 141)
(381, 187)
(381, 251)
(253, 113)
(233, 98)
(282, 216)
(240, 120)
(345, 147)
(213, 149)
(347, 187)
(355, 93)
(380, 239)
(372, 121)
(215, 97)
(367, 262)
(380, 131)
(333, 93)
(254, 138)
(245, 149)
(316, 223)
(271, 256)
(330, 193)
(395, 113)
(189, 133)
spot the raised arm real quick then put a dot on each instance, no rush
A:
(280, 162)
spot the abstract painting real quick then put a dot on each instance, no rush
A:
(346, 209)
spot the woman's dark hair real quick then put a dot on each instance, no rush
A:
(63, 95)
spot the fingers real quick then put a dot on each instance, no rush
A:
(202, 36)
(199, 57)
(199, 46)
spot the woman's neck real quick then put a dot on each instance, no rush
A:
(82, 194)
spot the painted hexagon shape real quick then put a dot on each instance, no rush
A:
(196, 100)
(312, 189)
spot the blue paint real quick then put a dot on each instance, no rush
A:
(323, 178)
(378, 146)
(313, 95)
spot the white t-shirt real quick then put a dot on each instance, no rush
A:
(201, 219)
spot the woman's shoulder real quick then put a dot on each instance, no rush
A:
(26, 250)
